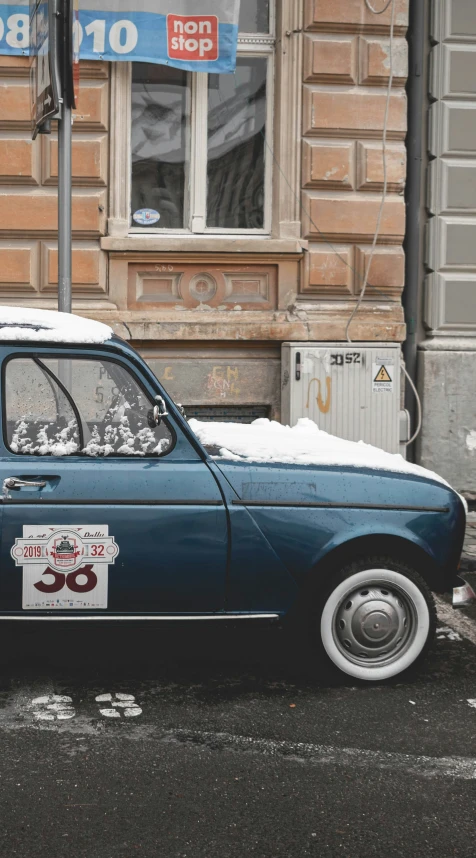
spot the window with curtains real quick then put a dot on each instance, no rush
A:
(201, 143)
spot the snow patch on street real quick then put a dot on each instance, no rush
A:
(457, 621)
(471, 440)
(445, 633)
(304, 444)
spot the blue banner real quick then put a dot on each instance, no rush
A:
(194, 35)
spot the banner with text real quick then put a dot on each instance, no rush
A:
(194, 35)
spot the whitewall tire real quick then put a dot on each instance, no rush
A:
(377, 620)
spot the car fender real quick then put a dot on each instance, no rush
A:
(361, 534)
(394, 541)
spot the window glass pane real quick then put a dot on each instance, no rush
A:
(254, 16)
(40, 419)
(160, 142)
(236, 146)
(114, 410)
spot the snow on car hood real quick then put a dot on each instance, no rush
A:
(304, 444)
(31, 325)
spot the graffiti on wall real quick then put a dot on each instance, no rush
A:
(223, 381)
(323, 405)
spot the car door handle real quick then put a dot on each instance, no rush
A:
(15, 483)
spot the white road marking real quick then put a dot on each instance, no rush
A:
(118, 702)
(463, 768)
(52, 707)
(457, 621)
(472, 702)
(46, 699)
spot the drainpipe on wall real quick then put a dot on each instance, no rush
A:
(412, 244)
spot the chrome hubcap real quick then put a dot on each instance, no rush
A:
(374, 623)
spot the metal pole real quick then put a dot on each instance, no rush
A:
(416, 107)
(64, 179)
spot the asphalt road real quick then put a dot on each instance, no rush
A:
(223, 744)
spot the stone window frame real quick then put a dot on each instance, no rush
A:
(284, 172)
(260, 45)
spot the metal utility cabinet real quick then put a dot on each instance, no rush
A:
(353, 391)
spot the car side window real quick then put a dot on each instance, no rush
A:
(112, 414)
(40, 419)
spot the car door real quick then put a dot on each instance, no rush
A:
(124, 516)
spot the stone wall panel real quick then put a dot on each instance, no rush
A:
(328, 272)
(386, 275)
(374, 61)
(357, 112)
(37, 213)
(19, 160)
(353, 16)
(89, 267)
(446, 443)
(352, 217)
(18, 268)
(330, 60)
(89, 160)
(370, 173)
(329, 164)
(15, 104)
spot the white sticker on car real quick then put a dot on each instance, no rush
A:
(65, 568)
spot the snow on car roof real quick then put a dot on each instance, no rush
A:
(31, 325)
(304, 444)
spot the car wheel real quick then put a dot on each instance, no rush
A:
(377, 619)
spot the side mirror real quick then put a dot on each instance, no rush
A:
(154, 417)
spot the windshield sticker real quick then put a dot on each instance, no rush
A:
(65, 568)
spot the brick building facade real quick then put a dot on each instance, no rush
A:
(208, 306)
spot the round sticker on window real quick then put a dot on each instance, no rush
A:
(146, 217)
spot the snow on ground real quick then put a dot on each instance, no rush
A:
(304, 444)
(445, 633)
(24, 323)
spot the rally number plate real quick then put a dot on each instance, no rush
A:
(65, 568)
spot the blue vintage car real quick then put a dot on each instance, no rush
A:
(113, 509)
